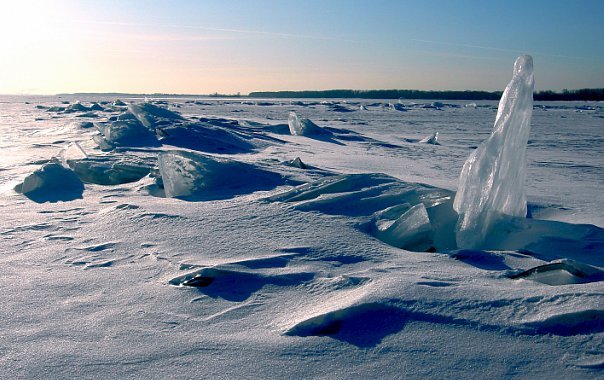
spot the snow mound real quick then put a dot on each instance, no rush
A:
(303, 127)
(51, 183)
(195, 176)
(339, 108)
(481, 259)
(571, 319)
(363, 325)
(297, 163)
(85, 124)
(77, 107)
(491, 183)
(96, 107)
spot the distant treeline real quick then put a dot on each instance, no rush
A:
(153, 95)
(565, 95)
(568, 95)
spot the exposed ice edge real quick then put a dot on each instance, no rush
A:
(491, 183)
(196, 176)
(303, 127)
(419, 217)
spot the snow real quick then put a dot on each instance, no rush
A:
(303, 127)
(271, 269)
(491, 183)
(51, 183)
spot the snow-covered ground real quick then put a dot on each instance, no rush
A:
(267, 267)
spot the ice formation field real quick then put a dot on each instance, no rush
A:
(230, 238)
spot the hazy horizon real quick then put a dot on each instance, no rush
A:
(204, 47)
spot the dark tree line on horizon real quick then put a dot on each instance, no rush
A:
(587, 94)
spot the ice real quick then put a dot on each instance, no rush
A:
(110, 170)
(396, 107)
(491, 184)
(411, 230)
(71, 152)
(126, 132)
(197, 176)
(296, 273)
(562, 272)
(297, 162)
(184, 173)
(151, 115)
(432, 139)
(303, 127)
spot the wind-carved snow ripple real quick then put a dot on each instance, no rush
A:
(94, 256)
(366, 322)
(58, 225)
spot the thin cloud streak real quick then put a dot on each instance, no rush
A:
(224, 30)
(516, 51)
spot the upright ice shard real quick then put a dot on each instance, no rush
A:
(73, 151)
(303, 127)
(491, 183)
(432, 139)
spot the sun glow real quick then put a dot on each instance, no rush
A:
(37, 47)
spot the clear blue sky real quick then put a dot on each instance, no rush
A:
(232, 46)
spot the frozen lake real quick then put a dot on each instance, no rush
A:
(256, 277)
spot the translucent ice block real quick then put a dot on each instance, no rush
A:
(491, 184)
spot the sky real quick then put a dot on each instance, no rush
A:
(204, 46)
